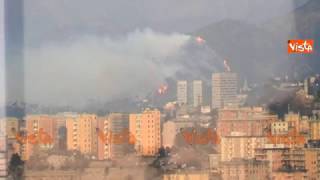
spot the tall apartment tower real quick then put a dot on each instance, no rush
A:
(169, 132)
(104, 147)
(197, 93)
(224, 89)
(36, 124)
(81, 133)
(145, 127)
(119, 126)
(182, 92)
(62, 130)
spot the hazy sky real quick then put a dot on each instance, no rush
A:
(102, 49)
(65, 19)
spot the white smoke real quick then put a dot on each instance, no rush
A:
(101, 68)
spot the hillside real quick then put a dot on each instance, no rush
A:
(260, 51)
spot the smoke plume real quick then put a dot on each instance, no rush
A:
(102, 68)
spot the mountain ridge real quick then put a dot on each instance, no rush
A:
(259, 52)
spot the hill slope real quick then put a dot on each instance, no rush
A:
(259, 52)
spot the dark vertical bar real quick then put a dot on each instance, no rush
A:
(14, 29)
(3, 148)
(14, 75)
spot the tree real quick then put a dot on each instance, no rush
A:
(317, 99)
(16, 167)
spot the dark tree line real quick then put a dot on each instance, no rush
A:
(16, 167)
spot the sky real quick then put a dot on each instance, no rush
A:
(66, 19)
(77, 50)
